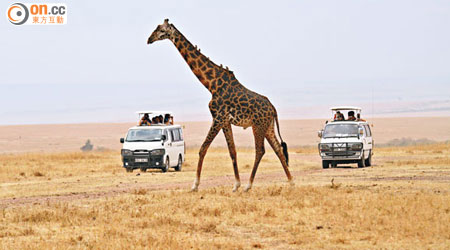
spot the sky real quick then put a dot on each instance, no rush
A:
(390, 57)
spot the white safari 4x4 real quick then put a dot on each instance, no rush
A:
(346, 139)
(154, 145)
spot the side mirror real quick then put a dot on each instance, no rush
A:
(163, 137)
(122, 140)
(320, 133)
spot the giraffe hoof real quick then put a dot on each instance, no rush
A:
(195, 185)
(236, 186)
(247, 188)
(194, 189)
(291, 183)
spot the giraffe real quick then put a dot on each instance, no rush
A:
(231, 103)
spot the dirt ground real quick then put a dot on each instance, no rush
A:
(70, 137)
(87, 200)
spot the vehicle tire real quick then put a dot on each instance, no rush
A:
(166, 166)
(180, 164)
(129, 170)
(325, 164)
(368, 161)
(333, 164)
(143, 169)
(362, 162)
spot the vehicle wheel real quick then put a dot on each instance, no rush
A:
(129, 170)
(368, 161)
(143, 169)
(325, 164)
(362, 162)
(166, 166)
(180, 164)
(333, 164)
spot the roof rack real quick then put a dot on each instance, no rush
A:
(338, 108)
(356, 110)
(152, 112)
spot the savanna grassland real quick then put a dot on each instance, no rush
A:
(86, 200)
(46, 138)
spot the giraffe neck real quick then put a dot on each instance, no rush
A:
(208, 73)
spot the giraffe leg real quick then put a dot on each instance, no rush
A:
(258, 132)
(213, 131)
(273, 141)
(228, 132)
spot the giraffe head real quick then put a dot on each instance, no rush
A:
(163, 31)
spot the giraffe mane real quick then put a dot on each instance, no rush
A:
(199, 51)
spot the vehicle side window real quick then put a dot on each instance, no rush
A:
(172, 135)
(365, 130)
(181, 134)
(176, 134)
(369, 133)
(168, 135)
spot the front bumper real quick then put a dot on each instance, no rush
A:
(143, 161)
(340, 152)
(343, 155)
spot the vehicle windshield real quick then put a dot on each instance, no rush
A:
(340, 130)
(144, 135)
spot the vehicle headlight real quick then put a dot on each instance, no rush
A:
(126, 152)
(324, 147)
(356, 146)
(157, 152)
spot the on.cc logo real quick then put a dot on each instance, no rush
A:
(18, 13)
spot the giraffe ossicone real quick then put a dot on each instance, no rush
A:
(231, 104)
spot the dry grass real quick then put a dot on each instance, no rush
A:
(402, 202)
(307, 217)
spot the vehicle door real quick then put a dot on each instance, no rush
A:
(180, 144)
(369, 138)
(364, 140)
(173, 150)
(168, 146)
(177, 144)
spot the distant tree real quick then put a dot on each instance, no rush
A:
(87, 146)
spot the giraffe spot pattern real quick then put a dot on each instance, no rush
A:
(231, 103)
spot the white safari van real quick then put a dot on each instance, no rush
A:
(159, 145)
(346, 139)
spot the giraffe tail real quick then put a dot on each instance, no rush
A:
(283, 144)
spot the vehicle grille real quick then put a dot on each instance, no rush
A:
(140, 152)
(341, 150)
(341, 153)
